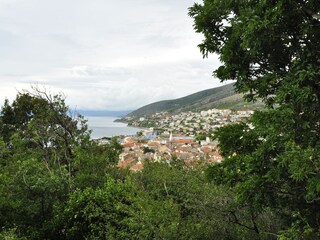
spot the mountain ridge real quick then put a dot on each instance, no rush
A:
(219, 97)
(103, 113)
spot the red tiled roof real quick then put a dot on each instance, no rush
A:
(126, 163)
(206, 150)
(137, 167)
(182, 140)
(128, 144)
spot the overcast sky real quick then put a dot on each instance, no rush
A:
(102, 54)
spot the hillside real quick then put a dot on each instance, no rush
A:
(220, 97)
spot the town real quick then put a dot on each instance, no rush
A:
(187, 137)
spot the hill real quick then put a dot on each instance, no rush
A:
(220, 97)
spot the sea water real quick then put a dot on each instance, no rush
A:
(106, 127)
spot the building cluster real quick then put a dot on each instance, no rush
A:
(178, 148)
(190, 123)
(174, 137)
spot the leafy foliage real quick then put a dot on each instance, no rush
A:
(271, 49)
(55, 183)
(45, 156)
(102, 213)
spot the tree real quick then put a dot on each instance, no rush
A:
(272, 50)
(179, 203)
(55, 183)
(43, 122)
(102, 213)
(268, 47)
(114, 149)
(45, 155)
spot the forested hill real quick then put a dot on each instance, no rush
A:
(220, 97)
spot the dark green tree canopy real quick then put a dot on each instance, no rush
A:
(38, 109)
(271, 48)
(57, 183)
(45, 154)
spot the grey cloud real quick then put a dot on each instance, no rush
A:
(103, 54)
(95, 71)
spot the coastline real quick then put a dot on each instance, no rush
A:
(107, 126)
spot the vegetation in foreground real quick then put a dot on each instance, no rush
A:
(272, 50)
(58, 184)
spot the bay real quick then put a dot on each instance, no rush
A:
(103, 126)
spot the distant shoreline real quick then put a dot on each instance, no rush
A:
(106, 126)
(98, 113)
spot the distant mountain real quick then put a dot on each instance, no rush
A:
(97, 113)
(220, 97)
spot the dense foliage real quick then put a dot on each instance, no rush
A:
(56, 183)
(272, 50)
